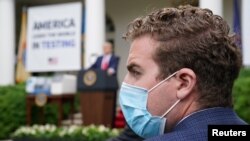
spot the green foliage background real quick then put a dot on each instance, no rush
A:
(241, 95)
(12, 109)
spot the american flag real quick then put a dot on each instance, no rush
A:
(236, 23)
(52, 60)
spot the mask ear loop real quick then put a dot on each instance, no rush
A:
(162, 81)
(170, 108)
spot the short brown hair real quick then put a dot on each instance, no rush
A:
(195, 38)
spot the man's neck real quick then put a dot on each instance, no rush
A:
(186, 107)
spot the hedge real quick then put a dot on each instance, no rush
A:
(241, 95)
(13, 110)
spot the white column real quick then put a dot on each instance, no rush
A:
(245, 31)
(7, 42)
(95, 30)
(215, 5)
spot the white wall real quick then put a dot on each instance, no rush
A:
(7, 42)
(245, 31)
(228, 12)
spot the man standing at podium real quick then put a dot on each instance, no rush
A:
(108, 61)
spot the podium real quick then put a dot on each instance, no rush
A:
(97, 97)
(59, 100)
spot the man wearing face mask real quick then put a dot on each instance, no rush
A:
(181, 67)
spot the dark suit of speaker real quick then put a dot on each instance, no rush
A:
(113, 63)
(97, 96)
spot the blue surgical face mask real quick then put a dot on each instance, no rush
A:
(133, 101)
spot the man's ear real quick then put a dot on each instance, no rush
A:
(186, 82)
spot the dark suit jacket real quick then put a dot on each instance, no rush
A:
(113, 63)
(194, 127)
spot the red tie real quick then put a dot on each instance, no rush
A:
(104, 64)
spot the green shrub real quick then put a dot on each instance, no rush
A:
(241, 95)
(244, 72)
(12, 109)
